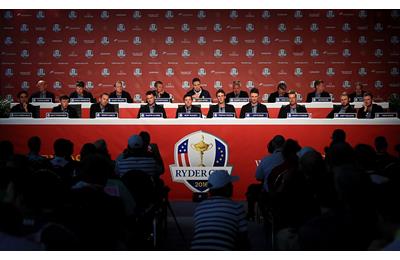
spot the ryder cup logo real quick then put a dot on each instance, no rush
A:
(136, 15)
(24, 54)
(298, 40)
(250, 53)
(378, 27)
(153, 27)
(137, 72)
(40, 15)
(282, 53)
(266, 40)
(266, 72)
(57, 54)
(314, 27)
(73, 15)
(169, 40)
(346, 84)
(249, 27)
(137, 98)
(217, 53)
(249, 84)
(395, 14)
(217, 84)
(298, 72)
(197, 155)
(330, 72)
(266, 14)
(378, 53)
(152, 84)
(202, 72)
(234, 72)
(394, 71)
(105, 72)
(201, 14)
(346, 53)
(378, 84)
(137, 40)
(169, 72)
(73, 72)
(298, 14)
(24, 27)
(394, 39)
(185, 27)
(104, 15)
(121, 53)
(8, 40)
(201, 40)
(362, 14)
(314, 53)
(233, 40)
(330, 14)
(185, 85)
(233, 14)
(282, 27)
(89, 54)
(185, 53)
(217, 27)
(89, 85)
(104, 40)
(346, 27)
(40, 41)
(8, 72)
(25, 85)
(153, 53)
(330, 40)
(56, 27)
(362, 71)
(72, 41)
(120, 27)
(169, 15)
(8, 15)
(362, 40)
(40, 72)
(57, 85)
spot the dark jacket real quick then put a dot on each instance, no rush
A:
(125, 94)
(163, 95)
(248, 109)
(215, 109)
(272, 97)
(70, 110)
(204, 93)
(375, 109)
(86, 94)
(157, 109)
(95, 108)
(353, 95)
(312, 94)
(181, 109)
(242, 94)
(286, 109)
(336, 109)
(31, 109)
(37, 95)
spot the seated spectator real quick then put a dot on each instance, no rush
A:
(102, 149)
(383, 158)
(220, 223)
(34, 144)
(62, 163)
(6, 152)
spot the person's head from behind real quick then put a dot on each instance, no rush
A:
(188, 99)
(101, 146)
(367, 99)
(281, 88)
(344, 99)
(104, 99)
(96, 169)
(276, 143)
(6, 150)
(22, 97)
(292, 98)
(365, 156)
(340, 154)
(254, 94)
(150, 98)
(159, 86)
(220, 183)
(338, 136)
(145, 137)
(80, 85)
(86, 150)
(196, 84)
(290, 149)
(319, 86)
(118, 87)
(135, 144)
(381, 144)
(64, 101)
(34, 144)
(236, 87)
(63, 148)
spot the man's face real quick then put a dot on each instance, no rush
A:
(160, 88)
(320, 87)
(23, 98)
(64, 103)
(292, 99)
(281, 91)
(359, 89)
(118, 88)
(42, 85)
(104, 100)
(344, 100)
(253, 98)
(150, 99)
(197, 85)
(367, 101)
(236, 89)
(221, 98)
(79, 90)
(188, 101)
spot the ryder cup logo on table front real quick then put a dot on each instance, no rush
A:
(197, 155)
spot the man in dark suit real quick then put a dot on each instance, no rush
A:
(197, 91)
(368, 110)
(188, 107)
(159, 91)
(358, 93)
(151, 106)
(344, 107)
(102, 106)
(319, 91)
(23, 105)
(280, 92)
(293, 107)
(42, 93)
(119, 92)
(80, 92)
(236, 93)
(65, 107)
(253, 106)
(221, 107)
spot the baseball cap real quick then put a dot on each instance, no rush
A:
(135, 141)
(219, 179)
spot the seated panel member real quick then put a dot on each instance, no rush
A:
(159, 91)
(197, 91)
(236, 93)
(280, 92)
(221, 107)
(42, 93)
(253, 106)
(65, 107)
(293, 107)
(151, 106)
(119, 92)
(102, 106)
(23, 105)
(344, 107)
(358, 93)
(188, 107)
(368, 109)
(319, 91)
(80, 92)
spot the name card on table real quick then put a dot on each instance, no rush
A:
(298, 115)
(21, 114)
(57, 115)
(239, 100)
(151, 115)
(224, 115)
(358, 99)
(106, 114)
(386, 115)
(189, 115)
(163, 100)
(321, 99)
(282, 99)
(118, 100)
(203, 100)
(42, 100)
(256, 115)
(80, 100)
(345, 115)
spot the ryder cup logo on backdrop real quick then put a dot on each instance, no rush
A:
(217, 53)
(136, 15)
(185, 53)
(25, 85)
(233, 14)
(314, 53)
(57, 54)
(120, 27)
(298, 40)
(249, 27)
(394, 39)
(233, 40)
(137, 72)
(8, 15)
(105, 72)
(197, 155)
(314, 27)
(217, 27)
(378, 84)
(234, 72)
(40, 41)
(330, 40)
(362, 39)
(330, 72)
(298, 72)
(73, 15)
(394, 71)
(72, 41)
(24, 27)
(346, 27)
(153, 53)
(266, 40)
(89, 85)
(217, 84)
(346, 53)
(24, 54)
(378, 53)
(137, 40)
(40, 15)
(8, 40)
(249, 84)
(346, 84)
(104, 15)
(185, 27)
(137, 98)
(282, 27)
(169, 72)
(169, 15)
(121, 53)
(40, 72)
(266, 72)
(201, 40)
(330, 14)
(266, 14)
(185, 85)
(169, 40)
(282, 53)
(202, 72)
(362, 14)
(153, 27)
(378, 27)
(298, 14)
(56, 27)
(57, 85)
(89, 54)
(250, 53)
(362, 71)
(73, 72)
(8, 72)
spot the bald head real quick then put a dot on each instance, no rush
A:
(42, 85)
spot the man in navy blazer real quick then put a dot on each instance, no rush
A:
(120, 93)
(236, 93)
(197, 91)
(221, 107)
(151, 106)
(80, 92)
(187, 107)
(42, 93)
(293, 107)
(319, 86)
(253, 106)
(344, 106)
(102, 106)
(369, 109)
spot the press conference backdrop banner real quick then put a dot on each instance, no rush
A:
(257, 47)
